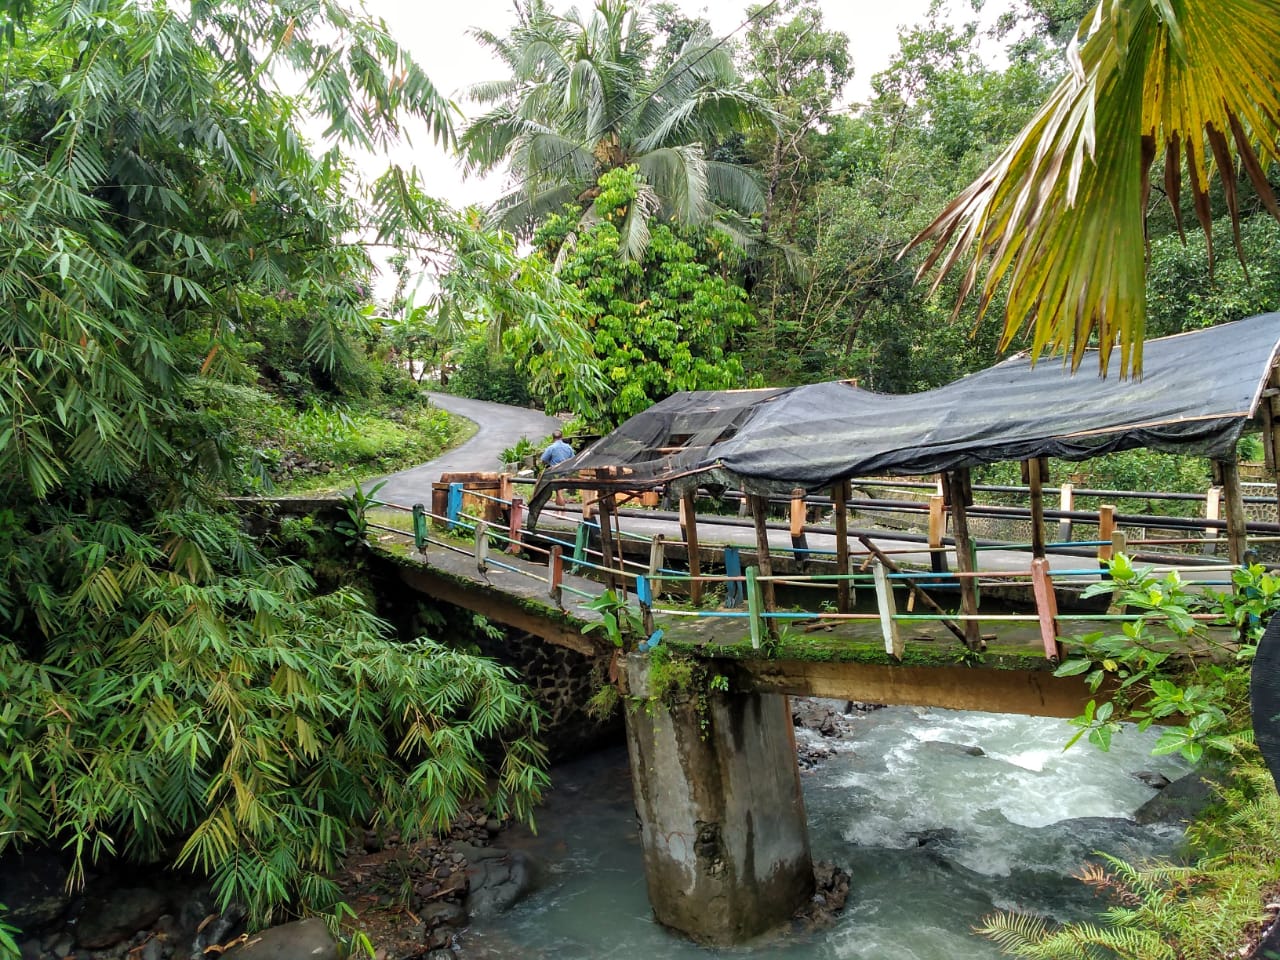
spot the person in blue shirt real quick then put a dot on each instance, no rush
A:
(557, 452)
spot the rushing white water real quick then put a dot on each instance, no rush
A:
(934, 837)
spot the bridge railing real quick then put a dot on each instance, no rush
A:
(644, 584)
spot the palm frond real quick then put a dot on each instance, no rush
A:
(679, 176)
(1059, 216)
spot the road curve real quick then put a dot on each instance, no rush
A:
(500, 426)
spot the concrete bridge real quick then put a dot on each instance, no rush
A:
(705, 665)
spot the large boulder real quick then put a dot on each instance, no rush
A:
(1179, 802)
(301, 940)
(497, 879)
(109, 917)
(33, 886)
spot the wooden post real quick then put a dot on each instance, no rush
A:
(753, 607)
(799, 544)
(893, 644)
(1106, 527)
(1212, 511)
(1046, 608)
(840, 513)
(1066, 502)
(937, 532)
(760, 511)
(517, 523)
(555, 575)
(606, 541)
(482, 546)
(959, 487)
(1035, 467)
(1237, 532)
(656, 556)
(689, 531)
(1271, 430)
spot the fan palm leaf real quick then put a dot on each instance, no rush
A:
(1060, 215)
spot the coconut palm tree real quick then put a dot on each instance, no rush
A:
(586, 96)
(1060, 216)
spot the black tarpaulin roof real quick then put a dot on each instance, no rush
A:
(1197, 392)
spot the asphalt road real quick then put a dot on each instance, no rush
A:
(500, 426)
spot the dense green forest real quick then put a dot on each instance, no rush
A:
(186, 313)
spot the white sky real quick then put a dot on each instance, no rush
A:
(435, 32)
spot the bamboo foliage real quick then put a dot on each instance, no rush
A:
(1058, 220)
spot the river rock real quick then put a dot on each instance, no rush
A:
(1152, 778)
(301, 940)
(33, 886)
(1179, 802)
(953, 749)
(107, 918)
(497, 878)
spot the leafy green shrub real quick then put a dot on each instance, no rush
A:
(196, 694)
(485, 374)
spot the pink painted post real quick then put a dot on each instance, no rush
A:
(517, 523)
(1046, 608)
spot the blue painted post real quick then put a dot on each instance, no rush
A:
(420, 528)
(454, 511)
(733, 593)
(644, 593)
(754, 606)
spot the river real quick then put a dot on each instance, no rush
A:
(934, 835)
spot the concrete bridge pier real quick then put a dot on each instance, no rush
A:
(722, 820)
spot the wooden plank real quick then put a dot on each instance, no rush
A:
(760, 512)
(606, 543)
(916, 590)
(1034, 470)
(754, 607)
(937, 533)
(482, 546)
(1066, 502)
(893, 644)
(961, 490)
(1046, 608)
(555, 575)
(1237, 532)
(799, 511)
(1212, 511)
(840, 513)
(517, 523)
(1106, 527)
(657, 555)
(689, 532)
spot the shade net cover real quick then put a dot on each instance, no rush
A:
(1196, 395)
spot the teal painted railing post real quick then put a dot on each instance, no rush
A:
(454, 510)
(973, 565)
(420, 528)
(732, 568)
(580, 545)
(645, 595)
(754, 606)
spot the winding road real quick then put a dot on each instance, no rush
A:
(500, 426)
